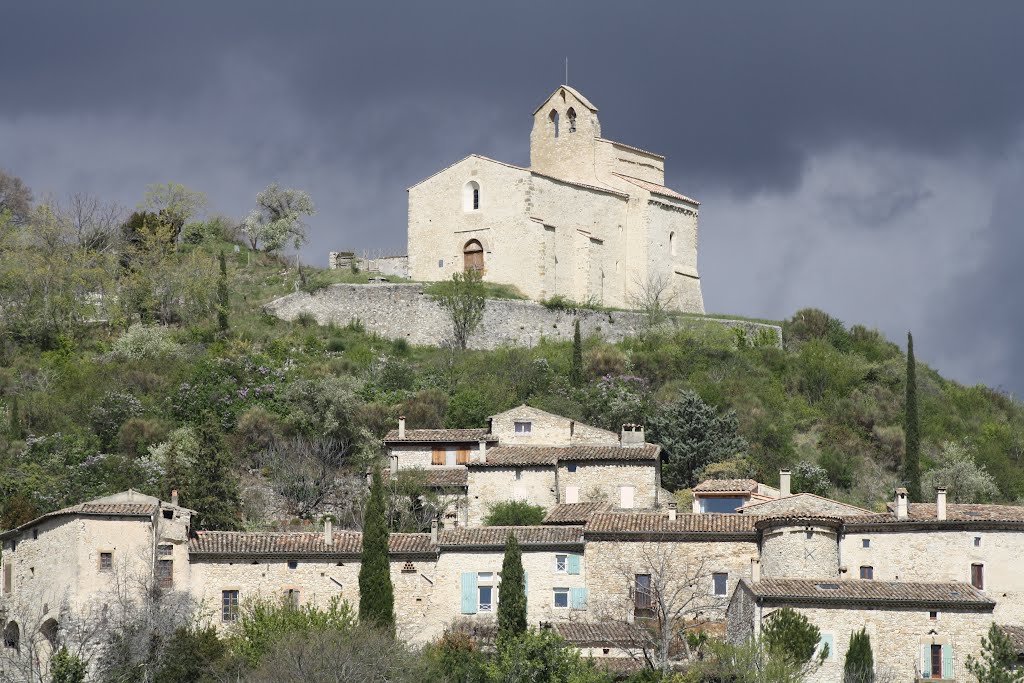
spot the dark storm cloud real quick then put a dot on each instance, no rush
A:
(846, 141)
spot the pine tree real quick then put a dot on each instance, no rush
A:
(14, 426)
(998, 659)
(376, 594)
(577, 356)
(223, 301)
(212, 489)
(859, 666)
(912, 428)
(66, 668)
(512, 598)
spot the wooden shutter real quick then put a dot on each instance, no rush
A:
(947, 662)
(462, 456)
(578, 598)
(573, 564)
(437, 457)
(469, 592)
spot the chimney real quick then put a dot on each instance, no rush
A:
(940, 502)
(401, 427)
(369, 478)
(632, 435)
(328, 532)
(671, 512)
(394, 465)
(483, 450)
(784, 486)
(174, 497)
(755, 569)
(901, 503)
(433, 531)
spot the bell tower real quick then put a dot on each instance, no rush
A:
(564, 136)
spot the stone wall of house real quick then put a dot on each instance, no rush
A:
(546, 429)
(613, 564)
(940, 555)
(392, 266)
(490, 485)
(602, 482)
(806, 551)
(741, 624)
(403, 311)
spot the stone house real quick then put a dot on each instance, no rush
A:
(589, 220)
(729, 495)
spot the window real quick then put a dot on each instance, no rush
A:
(519, 475)
(229, 606)
(572, 119)
(485, 602)
(865, 543)
(672, 243)
(560, 563)
(106, 562)
(723, 504)
(561, 597)
(570, 467)
(12, 635)
(471, 196)
(440, 263)
(933, 615)
(553, 117)
(977, 541)
(935, 656)
(8, 576)
(978, 576)
(165, 573)
(476, 198)
(867, 573)
(165, 549)
(524, 427)
(293, 564)
(643, 597)
(721, 583)
(473, 256)
(827, 640)
(35, 534)
(168, 514)
(291, 598)
(809, 535)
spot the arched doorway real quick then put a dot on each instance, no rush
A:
(49, 632)
(12, 635)
(473, 256)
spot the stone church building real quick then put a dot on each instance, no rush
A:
(590, 220)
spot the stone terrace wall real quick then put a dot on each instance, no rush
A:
(404, 311)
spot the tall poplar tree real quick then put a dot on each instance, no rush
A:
(512, 596)
(912, 429)
(376, 594)
(859, 666)
(223, 301)
(212, 488)
(577, 355)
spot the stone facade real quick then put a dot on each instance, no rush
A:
(404, 311)
(590, 220)
(803, 548)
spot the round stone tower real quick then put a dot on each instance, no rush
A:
(804, 547)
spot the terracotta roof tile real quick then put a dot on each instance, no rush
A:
(443, 477)
(574, 513)
(957, 514)
(440, 436)
(515, 456)
(655, 188)
(606, 190)
(726, 486)
(1016, 636)
(871, 592)
(91, 510)
(635, 149)
(659, 524)
(298, 544)
(496, 536)
(607, 633)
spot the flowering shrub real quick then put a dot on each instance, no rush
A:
(228, 387)
(145, 341)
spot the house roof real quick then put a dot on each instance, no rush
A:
(497, 536)
(128, 503)
(958, 516)
(964, 512)
(440, 477)
(655, 188)
(806, 503)
(525, 456)
(875, 593)
(298, 544)
(1016, 636)
(726, 486)
(440, 436)
(574, 513)
(596, 634)
(658, 524)
(576, 93)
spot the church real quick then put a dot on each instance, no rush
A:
(590, 220)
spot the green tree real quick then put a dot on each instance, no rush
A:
(693, 435)
(67, 668)
(997, 662)
(463, 300)
(542, 657)
(912, 428)
(277, 218)
(376, 594)
(576, 376)
(958, 470)
(174, 201)
(212, 489)
(789, 634)
(223, 295)
(859, 666)
(512, 605)
(191, 656)
(262, 623)
(514, 513)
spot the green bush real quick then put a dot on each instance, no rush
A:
(514, 513)
(145, 342)
(262, 623)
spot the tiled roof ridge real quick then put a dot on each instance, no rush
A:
(598, 188)
(91, 510)
(522, 454)
(469, 434)
(459, 161)
(727, 486)
(656, 188)
(657, 523)
(808, 495)
(635, 149)
(877, 592)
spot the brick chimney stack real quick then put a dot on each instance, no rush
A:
(401, 427)
(940, 502)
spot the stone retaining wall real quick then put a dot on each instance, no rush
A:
(405, 311)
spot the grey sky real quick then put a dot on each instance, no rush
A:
(865, 158)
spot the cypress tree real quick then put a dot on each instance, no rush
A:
(212, 489)
(376, 594)
(912, 429)
(577, 356)
(859, 666)
(512, 600)
(223, 301)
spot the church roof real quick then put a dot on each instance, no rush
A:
(654, 188)
(635, 149)
(456, 163)
(576, 93)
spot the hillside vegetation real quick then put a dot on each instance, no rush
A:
(127, 367)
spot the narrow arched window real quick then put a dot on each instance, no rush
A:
(553, 116)
(572, 119)
(672, 243)
(12, 636)
(473, 255)
(471, 196)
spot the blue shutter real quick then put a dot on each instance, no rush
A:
(926, 661)
(469, 592)
(573, 564)
(578, 598)
(947, 662)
